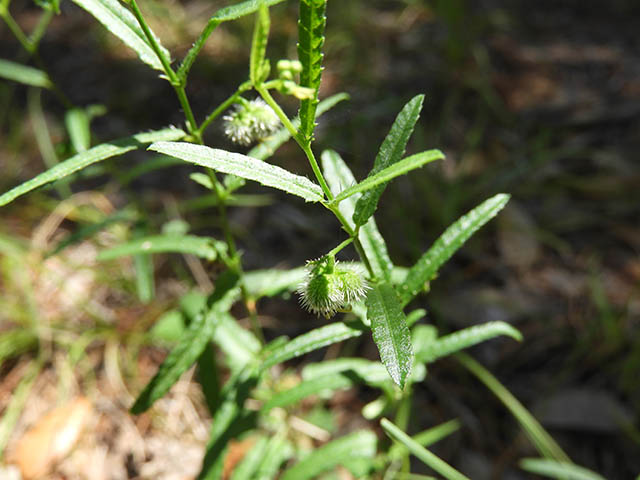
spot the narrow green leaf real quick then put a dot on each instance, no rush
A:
(559, 470)
(317, 386)
(391, 151)
(77, 123)
(311, 27)
(313, 340)
(259, 45)
(149, 165)
(268, 283)
(91, 156)
(246, 469)
(278, 451)
(544, 443)
(462, 339)
(422, 453)
(239, 344)
(362, 443)
(428, 437)
(268, 147)
(121, 22)
(383, 176)
(390, 332)
(192, 343)
(145, 280)
(444, 247)
(370, 372)
(203, 247)
(339, 177)
(242, 166)
(241, 9)
(17, 72)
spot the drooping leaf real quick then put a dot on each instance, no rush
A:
(77, 122)
(383, 176)
(361, 443)
(203, 247)
(444, 247)
(259, 45)
(391, 151)
(311, 27)
(191, 344)
(268, 147)
(89, 157)
(121, 22)
(465, 338)
(242, 166)
(390, 331)
(436, 463)
(17, 72)
(313, 340)
(558, 470)
(339, 177)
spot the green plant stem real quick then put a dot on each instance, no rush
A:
(403, 414)
(336, 250)
(186, 64)
(16, 30)
(223, 106)
(176, 83)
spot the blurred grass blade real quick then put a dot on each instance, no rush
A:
(383, 176)
(78, 126)
(361, 443)
(121, 22)
(370, 372)
(191, 344)
(230, 420)
(257, 66)
(422, 453)
(339, 177)
(204, 247)
(242, 166)
(313, 340)
(445, 246)
(278, 450)
(91, 156)
(390, 331)
(311, 25)
(268, 147)
(543, 442)
(391, 151)
(268, 283)
(149, 165)
(428, 437)
(239, 344)
(465, 338)
(246, 469)
(24, 74)
(145, 281)
(559, 470)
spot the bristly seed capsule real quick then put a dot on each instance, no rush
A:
(331, 286)
(250, 121)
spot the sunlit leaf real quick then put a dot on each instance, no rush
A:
(24, 74)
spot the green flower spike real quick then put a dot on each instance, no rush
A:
(331, 286)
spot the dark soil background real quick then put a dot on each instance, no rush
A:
(537, 99)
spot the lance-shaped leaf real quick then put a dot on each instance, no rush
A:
(77, 122)
(559, 470)
(444, 247)
(89, 157)
(465, 338)
(383, 176)
(313, 340)
(268, 283)
(439, 465)
(268, 147)
(390, 331)
(340, 451)
(191, 344)
(24, 74)
(121, 22)
(310, 42)
(203, 247)
(242, 166)
(391, 151)
(259, 45)
(339, 177)
(232, 12)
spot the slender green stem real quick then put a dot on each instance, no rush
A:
(336, 250)
(16, 30)
(40, 29)
(223, 106)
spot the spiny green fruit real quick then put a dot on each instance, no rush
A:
(331, 286)
(250, 121)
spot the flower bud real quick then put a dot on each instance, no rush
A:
(250, 121)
